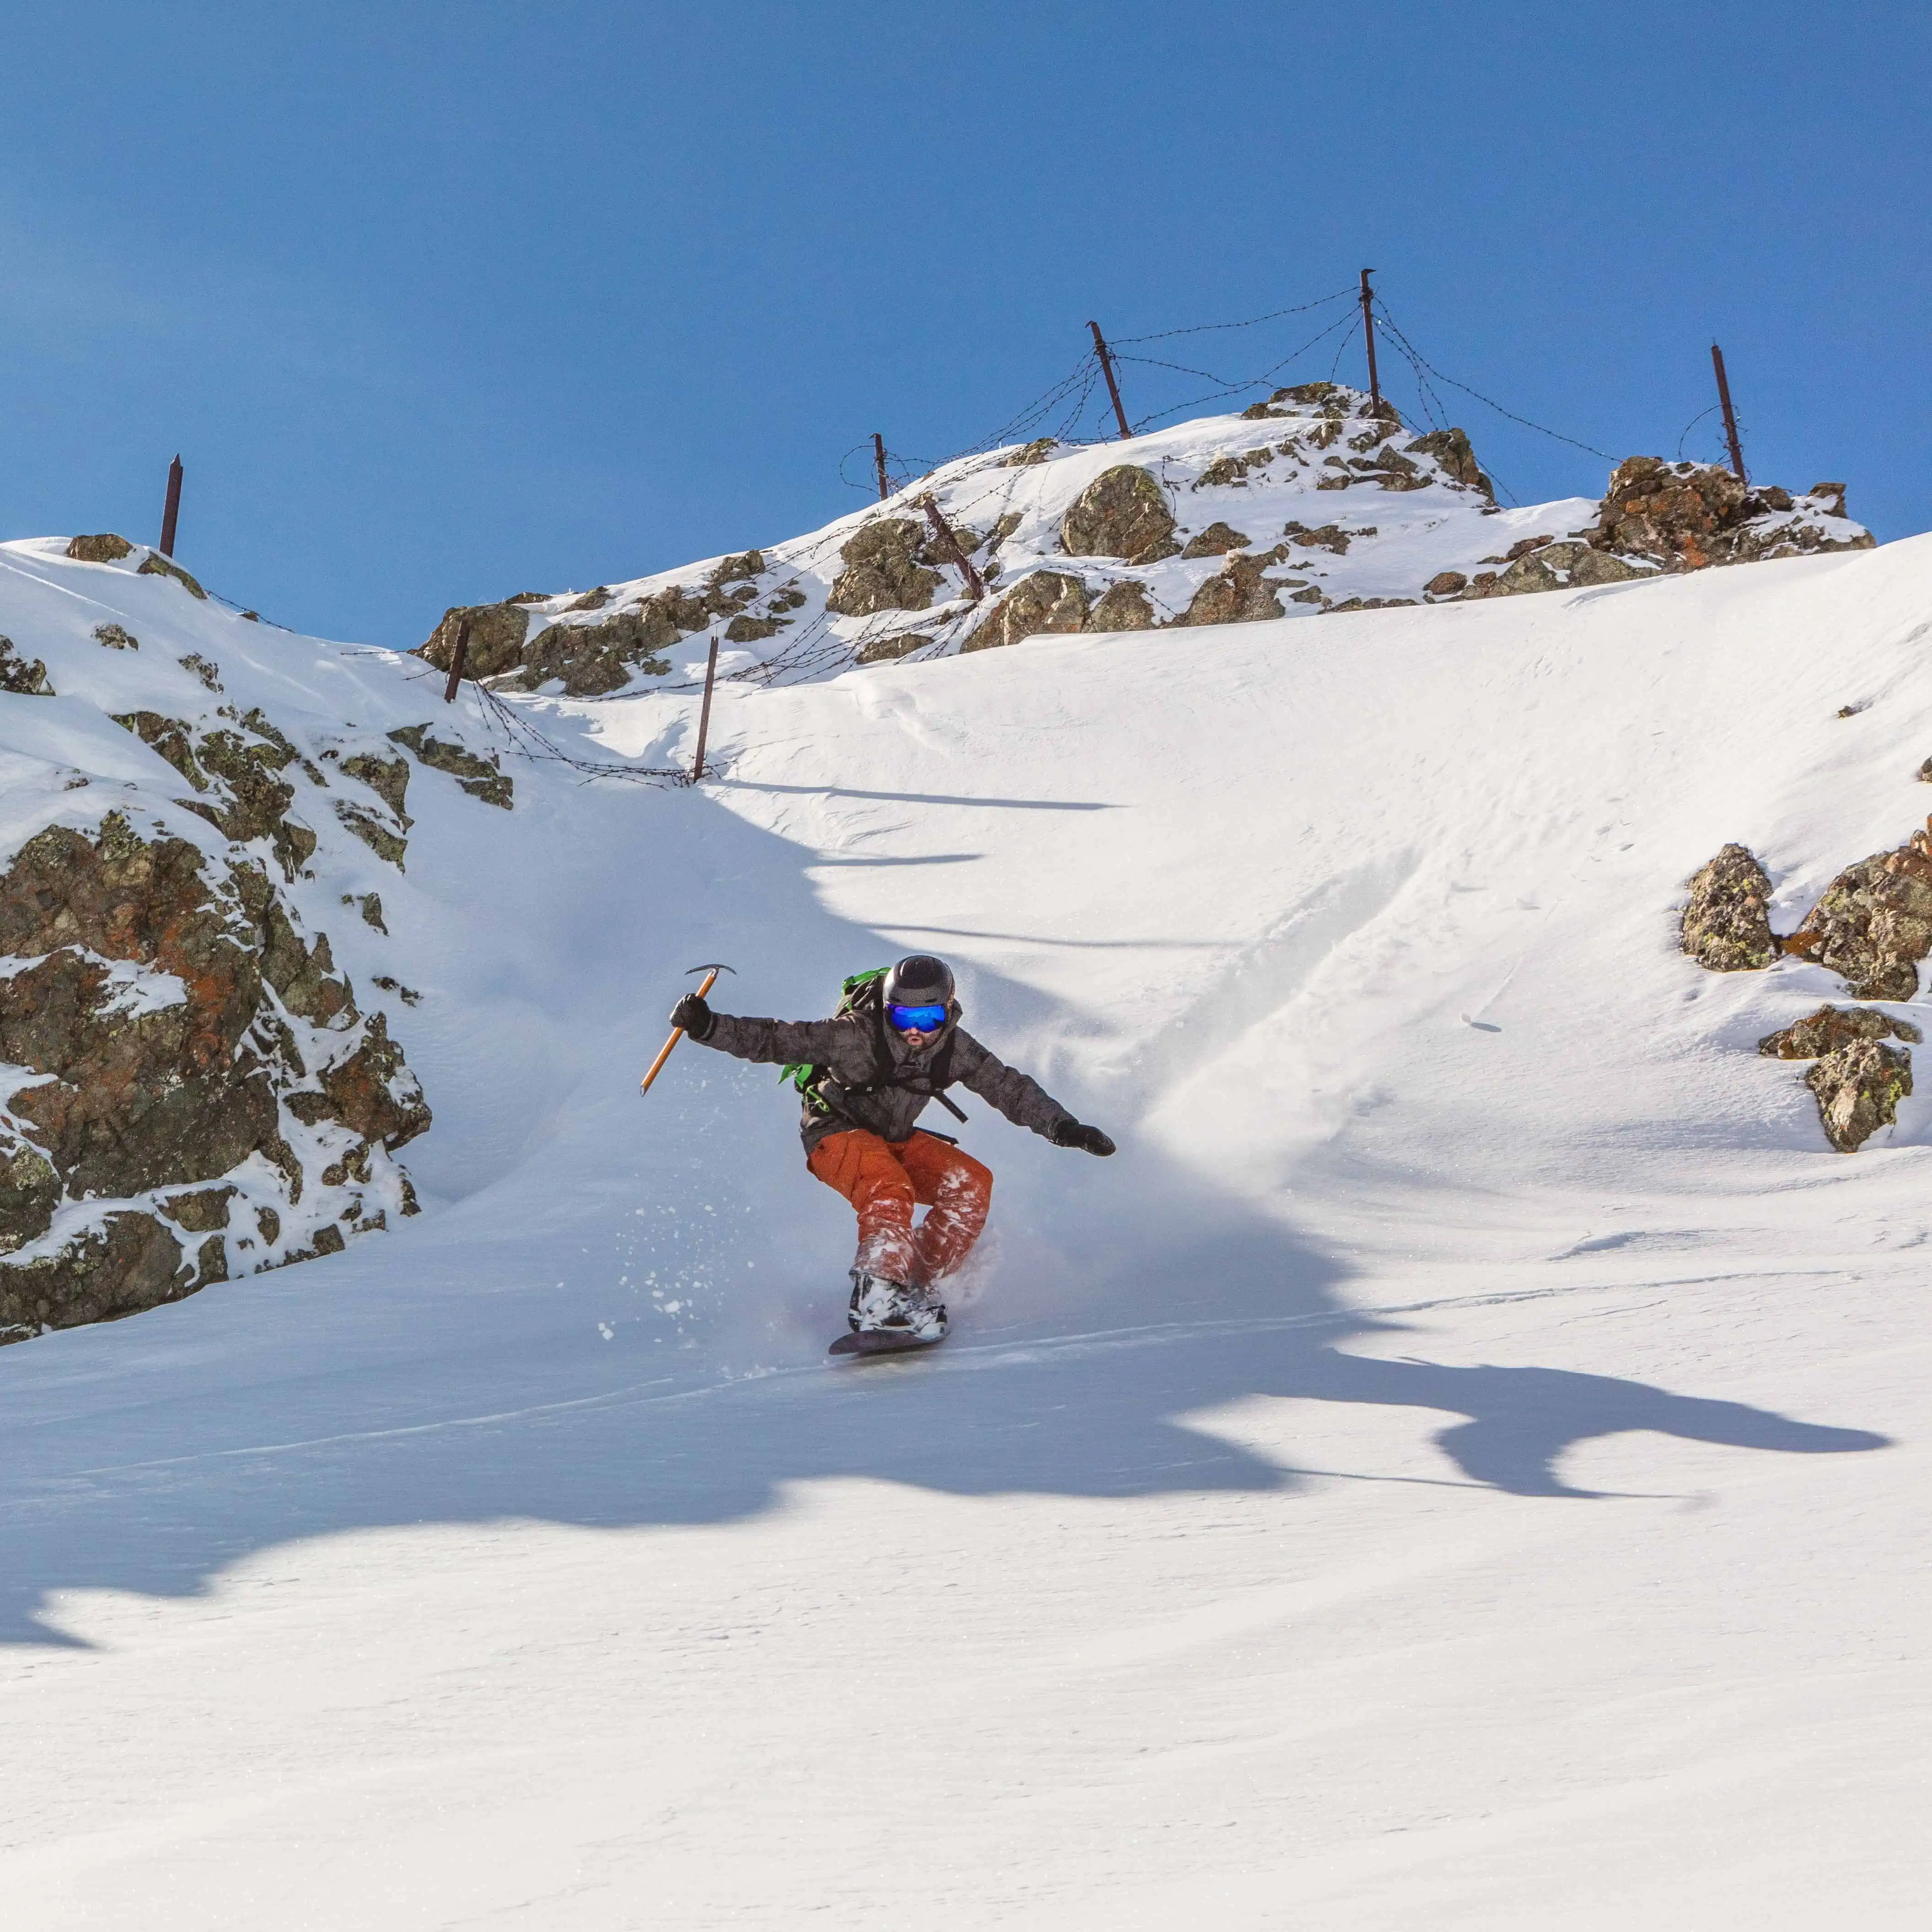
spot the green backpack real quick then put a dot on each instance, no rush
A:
(861, 993)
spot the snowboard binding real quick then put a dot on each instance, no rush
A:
(885, 1316)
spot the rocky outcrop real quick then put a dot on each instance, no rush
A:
(112, 637)
(1859, 1087)
(590, 659)
(238, 772)
(1122, 607)
(1553, 566)
(496, 635)
(1028, 454)
(105, 548)
(155, 565)
(1239, 595)
(1217, 540)
(1726, 925)
(478, 777)
(176, 1031)
(885, 569)
(888, 650)
(1122, 513)
(1831, 1027)
(1874, 923)
(1685, 516)
(1449, 449)
(25, 677)
(1048, 600)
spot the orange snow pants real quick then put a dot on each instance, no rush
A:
(884, 1180)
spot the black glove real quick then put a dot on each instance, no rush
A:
(693, 1015)
(1088, 1140)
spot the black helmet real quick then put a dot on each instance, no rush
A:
(919, 980)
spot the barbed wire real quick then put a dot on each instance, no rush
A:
(1542, 429)
(1253, 322)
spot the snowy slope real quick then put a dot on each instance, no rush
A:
(1461, 1465)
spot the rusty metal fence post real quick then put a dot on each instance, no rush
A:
(704, 714)
(1101, 349)
(171, 514)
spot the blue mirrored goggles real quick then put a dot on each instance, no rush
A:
(917, 1019)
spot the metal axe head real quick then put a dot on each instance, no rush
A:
(712, 966)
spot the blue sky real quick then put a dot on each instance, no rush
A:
(441, 303)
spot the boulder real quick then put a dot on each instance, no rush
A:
(1859, 1087)
(1239, 595)
(25, 677)
(1329, 537)
(1122, 607)
(883, 571)
(114, 638)
(496, 635)
(1217, 540)
(105, 548)
(887, 650)
(1446, 583)
(1873, 923)
(1048, 600)
(1831, 1027)
(1122, 513)
(1028, 454)
(1726, 925)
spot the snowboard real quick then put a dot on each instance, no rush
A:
(868, 1342)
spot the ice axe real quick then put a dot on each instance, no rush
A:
(711, 971)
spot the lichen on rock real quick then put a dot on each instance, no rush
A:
(478, 777)
(1831, 1027)
(1726, 925)
(496, 635)
(25, 677)
(106, 547)
(1124, 606)
(1873, 923)
(884, 570)
(1122, 513)
(164, 1016)
(1045, 601)
(1239, 595)
(1859, 1087)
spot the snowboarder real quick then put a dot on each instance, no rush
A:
(866, 1075)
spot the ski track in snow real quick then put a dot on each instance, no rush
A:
(1461, 1465)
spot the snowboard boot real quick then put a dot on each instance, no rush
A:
(878, 1303)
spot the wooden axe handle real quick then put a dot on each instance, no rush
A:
(677, 1034)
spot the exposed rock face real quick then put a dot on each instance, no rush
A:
(1122, 607)
(1025, 457)
(105, 548)
(1047, 601)
(26, 677)
(1687, 515)
(883, 571)
(1831, 1027)
(1330, 537)
(887, 650)
(176, 1031)
(1122, 513)
(155, 565)
(496, 635)
(593, 659)
(478, 777)
(1727, 924)
(114, 638)
(1451, 448)
(1554, 566)
(246, 798)
(1873, 922)
(1241, 594)
(1859, 1086)
(1217, 540)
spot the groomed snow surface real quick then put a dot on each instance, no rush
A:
(1461, 1465)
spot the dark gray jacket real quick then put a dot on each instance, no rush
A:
(859, 1051)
